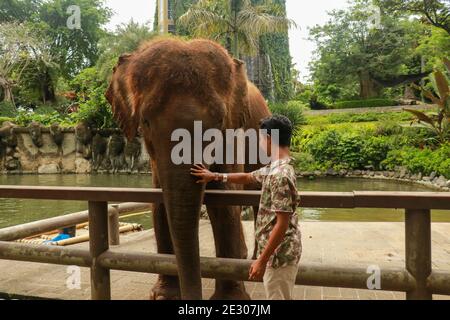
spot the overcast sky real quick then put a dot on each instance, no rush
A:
(304, 13)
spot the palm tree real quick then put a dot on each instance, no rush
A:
(236, 23)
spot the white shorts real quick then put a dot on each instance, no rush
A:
(279, 283)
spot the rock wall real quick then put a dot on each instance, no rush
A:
(39, 150)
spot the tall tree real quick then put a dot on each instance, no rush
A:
(238, 24)
(20, 46)
(72, 49)
(351, 48)
(125, 39)
(437, 12)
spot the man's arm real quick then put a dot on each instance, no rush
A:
(207, 176)
(277, 235)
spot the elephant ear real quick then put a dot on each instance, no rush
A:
(239, 108)
(121, 98)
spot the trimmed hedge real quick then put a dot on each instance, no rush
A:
(371, 103)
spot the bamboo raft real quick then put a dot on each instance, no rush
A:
(82, 235)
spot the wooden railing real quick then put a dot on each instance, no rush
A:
(417, 278)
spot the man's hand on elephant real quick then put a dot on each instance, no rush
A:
(200, 171)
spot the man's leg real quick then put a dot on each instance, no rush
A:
(279, 283)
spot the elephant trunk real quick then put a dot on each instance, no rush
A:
(183, 199)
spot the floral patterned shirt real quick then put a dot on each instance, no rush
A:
(279, 194)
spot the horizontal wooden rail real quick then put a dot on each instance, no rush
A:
(417, 278)
(217, 268)
(357, 199)
(38, 227)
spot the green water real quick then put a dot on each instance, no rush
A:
(13, 212)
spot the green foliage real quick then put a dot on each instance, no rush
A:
(438, 123)
(423, 161)
(25, 117)
(93, 106)
(356, 58)
(368, 103)
(436, 12)
(126, 39)
(347, 117)
(304, 162)
(7, 109)
(75, 49)
(291, 110)
(277, 47)
(349, 150)
(236, 24)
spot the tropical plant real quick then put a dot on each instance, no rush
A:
(291, 110)
(238, 24)
(126, 39)
(438, 122)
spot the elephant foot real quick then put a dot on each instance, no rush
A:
(165, 291)
(235, 293)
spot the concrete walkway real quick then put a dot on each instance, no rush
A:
(356, 244)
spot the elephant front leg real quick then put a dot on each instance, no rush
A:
(167, 287)
(230, 243)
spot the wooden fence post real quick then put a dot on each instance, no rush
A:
(418, 251)
(113, 224)
(98, 244)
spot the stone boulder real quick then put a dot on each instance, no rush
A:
(82, 166)
(51, 168)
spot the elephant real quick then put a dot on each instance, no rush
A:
(165, 85)
(35, 131)
(99, 147)
(57, 134)
(132, 153)
(116, 146)
(83, 135)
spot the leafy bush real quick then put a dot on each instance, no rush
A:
(375, 151)
(93, 106)
(371, 103)
(316, 104)
(7, 109)
(323, 146)
(298, 104)
(290, 110)
(388, 128)
(423, 161)
(347, 149)
(304, 162)
(5, 119)
(25, 117)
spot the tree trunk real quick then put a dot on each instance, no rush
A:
(236, 5)
(48, 90)
(368, 86)
(7, 93)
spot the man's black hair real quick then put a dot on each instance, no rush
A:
(283, 125)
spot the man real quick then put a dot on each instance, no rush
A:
(277, 231)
